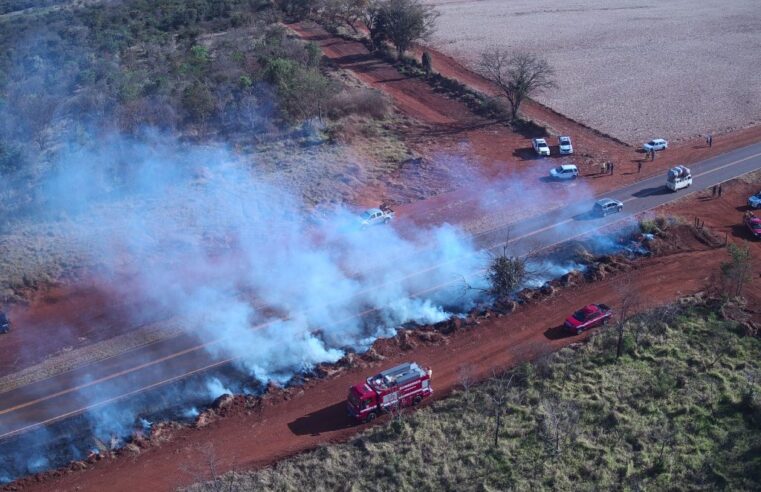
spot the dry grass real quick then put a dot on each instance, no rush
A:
(635, 69)
(681, 410)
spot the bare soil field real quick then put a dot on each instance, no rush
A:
(243, 434)
(632, 69)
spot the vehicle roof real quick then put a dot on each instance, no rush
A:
(372, 210)
(568, 166)
(589, 309)
(605, 201)
(563, 137)
(540, 140)
(656, 140)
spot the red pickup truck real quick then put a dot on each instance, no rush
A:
(753, 223)
(589, 316)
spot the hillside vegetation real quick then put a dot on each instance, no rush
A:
(680, 410)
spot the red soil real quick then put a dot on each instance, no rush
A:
(474, 151)
(306, 417)
(487, 149)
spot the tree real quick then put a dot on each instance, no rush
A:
(518, 76)
(557, 422)
(506, 273)
(737, 270)
(400, 21)
(347, 12)
(499, 396)
(630, 301)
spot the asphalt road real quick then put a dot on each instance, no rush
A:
(116, 378)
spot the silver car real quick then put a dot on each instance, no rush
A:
(607, 206)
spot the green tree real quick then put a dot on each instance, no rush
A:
(402, 22)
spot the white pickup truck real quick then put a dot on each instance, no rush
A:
(375, 216)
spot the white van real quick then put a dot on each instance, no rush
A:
(678, 177)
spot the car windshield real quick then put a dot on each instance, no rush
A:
(565, 141)
(542, 144)
(367, 215)
(651, 142)
(559, 169)
(580, 315)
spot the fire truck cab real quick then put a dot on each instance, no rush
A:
(401, 386)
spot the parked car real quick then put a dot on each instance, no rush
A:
(754, 201)
(375, 216)
(606, 206)
(5, 324)
(753, 224)
(656, 144)
(566, 171)
(587, 317)
(540, 146)
(564, 145)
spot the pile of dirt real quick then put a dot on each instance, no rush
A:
(680, 238)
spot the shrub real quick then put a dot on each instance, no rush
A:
(363, 102)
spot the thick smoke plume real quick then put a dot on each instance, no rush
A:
(238, 259)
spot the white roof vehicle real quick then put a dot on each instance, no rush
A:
(374, 216)
(678, 177)
(566, 171)
(656, 144)
(565, 146)
(540, 146)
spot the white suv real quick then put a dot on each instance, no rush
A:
(540, 146)
(656, 144)
(564, 145)
(566, 171)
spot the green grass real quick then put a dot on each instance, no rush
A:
(681, 410)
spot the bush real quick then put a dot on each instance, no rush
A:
(363, 102)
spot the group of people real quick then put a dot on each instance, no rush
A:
(606, 167)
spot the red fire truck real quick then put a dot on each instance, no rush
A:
(401, 386)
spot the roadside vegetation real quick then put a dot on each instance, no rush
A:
(680, 409)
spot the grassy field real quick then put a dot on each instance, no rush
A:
(632, 69)
(680, 410)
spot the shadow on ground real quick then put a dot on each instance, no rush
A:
(324, 420)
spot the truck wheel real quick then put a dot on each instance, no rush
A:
(417, 400)
(578, 331)
(370, 417)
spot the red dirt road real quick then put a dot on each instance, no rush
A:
(250, 439)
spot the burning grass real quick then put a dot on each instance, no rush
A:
(681, 409)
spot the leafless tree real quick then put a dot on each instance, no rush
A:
(558, 422)
(737, 271)
(629, 304)
(518, 75)
(498, 396)
(664, 433)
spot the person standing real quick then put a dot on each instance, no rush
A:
(603, 167)
(611, 168)
(639, 167)
(710, 140)
(714, 189)
(652, 154)
(719, 190)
